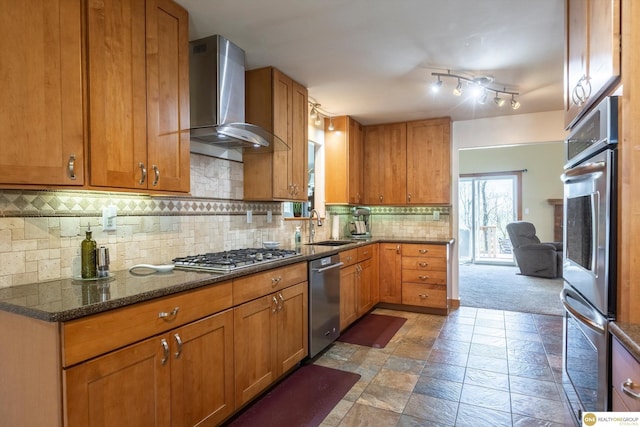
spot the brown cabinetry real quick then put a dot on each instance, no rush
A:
(390, 270)
(138, 94)
(168, 379)
(358, 283)
(277, 103)
(348, 288)
(343, 159)
(592, 53)
(424, 275)
(429, 162)
(408, 163)
(271, 338)
(41, 116)
(625, 379)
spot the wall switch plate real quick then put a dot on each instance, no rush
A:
(436, 215)
(269, 217)
(109, 214)
(249, 217)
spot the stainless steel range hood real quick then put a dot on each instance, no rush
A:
(218, 128)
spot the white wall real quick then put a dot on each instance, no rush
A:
(534, 128)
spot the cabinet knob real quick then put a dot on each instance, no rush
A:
(72, 167)
(156, 173)
(143, 173)
(170, 315)
(628, 387)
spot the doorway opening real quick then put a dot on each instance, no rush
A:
(487, 203)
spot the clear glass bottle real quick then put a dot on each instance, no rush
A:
(297, 238)
(88, 256)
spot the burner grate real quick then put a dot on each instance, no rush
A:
(233, 259)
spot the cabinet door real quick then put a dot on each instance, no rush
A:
(604, 44)
(337, 162)
(390, 269)
(255, 345)
(355, 176)
(282, 114)
(299, 143)
(293, 326)
(348, 296)
(129, 387)
(385, 164)
(117, 97)
(364, 280)
(41, 118)
(167, 96)
(429, 161)
(202, 371)
(577, 54)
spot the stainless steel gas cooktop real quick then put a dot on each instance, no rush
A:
(232, 260)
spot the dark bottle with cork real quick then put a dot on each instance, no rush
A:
(88, 256)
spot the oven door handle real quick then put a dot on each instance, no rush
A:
(584, 172)
(597, 327)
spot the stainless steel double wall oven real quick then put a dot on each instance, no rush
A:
(589, 266)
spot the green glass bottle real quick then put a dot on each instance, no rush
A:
(88, 257)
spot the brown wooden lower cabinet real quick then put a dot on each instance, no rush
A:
(271, 337)
(171, 379)
(390, 267)
(358, 283)
(625, 374)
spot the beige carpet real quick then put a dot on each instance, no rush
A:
(503, 288)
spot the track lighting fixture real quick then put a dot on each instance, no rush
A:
(479, 87)
(514, 104)
(458, 90)
(331, 124)
(318, 115)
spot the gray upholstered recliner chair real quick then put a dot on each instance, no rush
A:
(533, 257)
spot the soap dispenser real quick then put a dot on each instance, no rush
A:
(88, 256)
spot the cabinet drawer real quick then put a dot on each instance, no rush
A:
(424, 263)
(424, 295)
(364, 252)
(421, 250)
(260, 284)
(349, 257)
(623, 367)
(421, 276)
(94, 335)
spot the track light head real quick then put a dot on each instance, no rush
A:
(435, 86)
(514, 104)
(458, 90)
(483, 98)
(499, 101)
(331, 128)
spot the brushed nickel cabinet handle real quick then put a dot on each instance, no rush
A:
(275, 281)
(423, 277)
(380, 197)
(423, 251)
(275, 304)
(72, 167)
(281, 304)
(173, 313)
(423, 264)
(165, 350)
(627, 388)
(409, 197)
(398, 249)
(179, 344)
(423, 296)
(143, 172)
(156, 173)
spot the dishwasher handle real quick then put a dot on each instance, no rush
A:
(328, 267)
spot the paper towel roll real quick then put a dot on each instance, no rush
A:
(335, 227)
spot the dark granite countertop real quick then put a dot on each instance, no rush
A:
(629, 336)
(68, 299)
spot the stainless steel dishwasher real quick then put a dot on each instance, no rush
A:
(324, 303)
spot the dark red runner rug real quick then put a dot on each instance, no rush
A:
(304, 398)
(373, 330)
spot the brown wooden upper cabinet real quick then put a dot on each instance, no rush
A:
(408, 163)
(343, 157)
(138, 75)
(592, 54)
(279, 104)
(41, 118)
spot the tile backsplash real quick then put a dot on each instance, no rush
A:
(41, 231)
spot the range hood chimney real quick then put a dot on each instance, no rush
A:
(216, 73)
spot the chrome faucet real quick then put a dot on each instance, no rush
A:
(312, 231)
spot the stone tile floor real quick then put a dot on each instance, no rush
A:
(475, 367)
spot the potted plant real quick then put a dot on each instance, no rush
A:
(297, 209)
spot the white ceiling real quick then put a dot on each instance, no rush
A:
(372, 59)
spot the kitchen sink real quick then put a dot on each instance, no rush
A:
(331, 243)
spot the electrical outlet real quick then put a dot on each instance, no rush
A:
(109, 214)
(436, 215)
(269, 217)
(249, 217)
